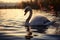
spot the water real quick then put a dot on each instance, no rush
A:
(15, 14)
(12, 15)
(15, 17)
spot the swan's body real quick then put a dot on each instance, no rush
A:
(39, 22)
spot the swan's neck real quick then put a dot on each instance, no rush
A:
(28, 19)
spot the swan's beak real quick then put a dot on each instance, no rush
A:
(25, 13)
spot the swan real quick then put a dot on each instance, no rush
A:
(39, 22)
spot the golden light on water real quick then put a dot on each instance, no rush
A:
(18, 15)
(12, 13)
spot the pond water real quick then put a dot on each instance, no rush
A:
(16, 16)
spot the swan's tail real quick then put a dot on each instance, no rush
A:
(50, 23)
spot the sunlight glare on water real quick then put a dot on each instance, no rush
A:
(15, 14)
(18, 14)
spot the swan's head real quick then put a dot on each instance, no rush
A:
(27, 9)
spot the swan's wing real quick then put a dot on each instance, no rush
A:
(39, 20)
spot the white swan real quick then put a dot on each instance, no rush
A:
(39, 22)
